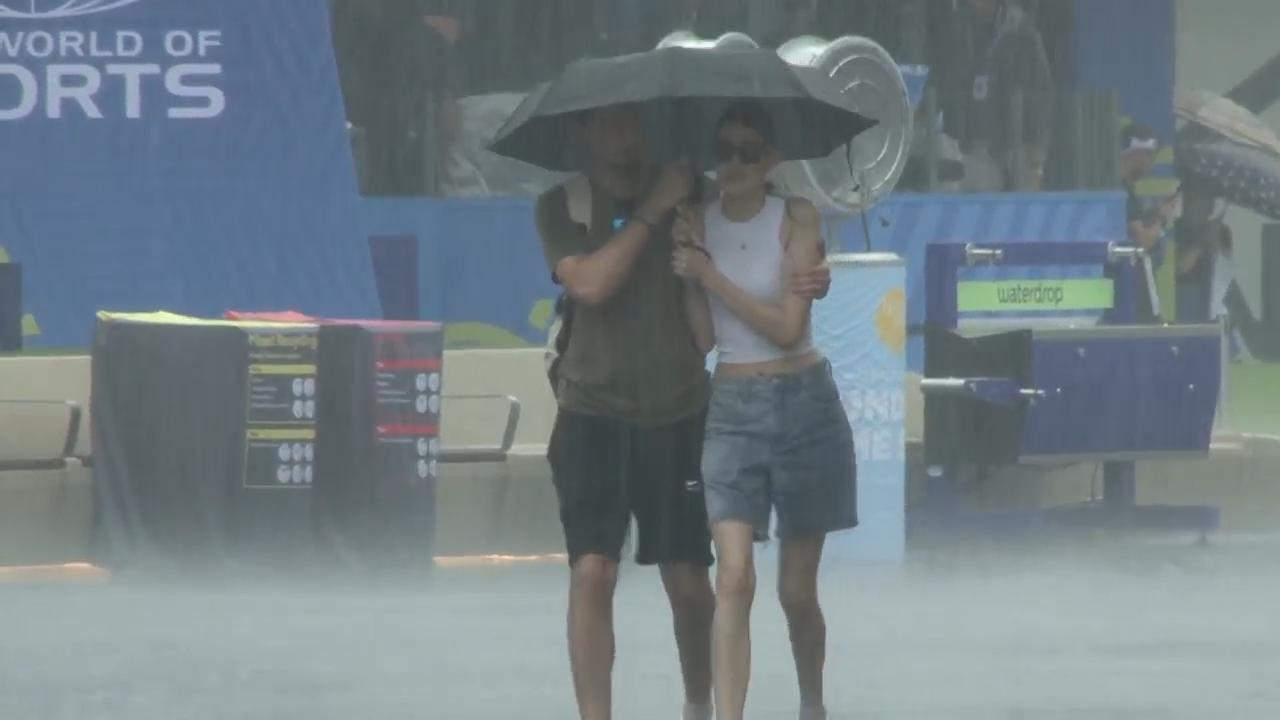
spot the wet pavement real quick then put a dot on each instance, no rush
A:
(1115, 631)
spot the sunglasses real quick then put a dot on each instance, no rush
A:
(747, 153)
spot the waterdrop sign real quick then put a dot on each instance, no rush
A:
(188, 155)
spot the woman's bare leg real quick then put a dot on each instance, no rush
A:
(731, 625)
(798, 592)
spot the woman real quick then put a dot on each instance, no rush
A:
(777, 437)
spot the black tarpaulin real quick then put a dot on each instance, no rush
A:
(378, 443)
(203, 436)
(10, 307)
(964, 428)
(255, 444)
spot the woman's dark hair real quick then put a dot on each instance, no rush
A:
(749, 114)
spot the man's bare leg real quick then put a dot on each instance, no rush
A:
(798, 593)
(592, 581)
(692, 605)
(731, 628)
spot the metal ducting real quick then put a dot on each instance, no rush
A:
(854, 178)
(727, 41)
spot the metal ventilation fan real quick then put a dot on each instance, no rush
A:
(853, 179)
(727, 41)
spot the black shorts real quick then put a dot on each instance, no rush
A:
(606, 470)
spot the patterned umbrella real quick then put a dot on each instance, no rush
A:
(1240, 174)
(1225, 118)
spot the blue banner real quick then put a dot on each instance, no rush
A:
(183, 154)
(861, 328)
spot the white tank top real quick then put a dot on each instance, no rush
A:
(751, 255)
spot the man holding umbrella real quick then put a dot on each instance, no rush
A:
(632, 386)
(632, 391)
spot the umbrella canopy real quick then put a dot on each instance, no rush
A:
(1226, 118)
(682, 93)
(1240, 174)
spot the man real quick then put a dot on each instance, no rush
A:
(1146, 227)
(1007, 65)
(632, 390)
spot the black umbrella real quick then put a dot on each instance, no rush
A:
(1246, 176)
(683, 92)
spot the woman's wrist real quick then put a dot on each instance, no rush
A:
(707, 277)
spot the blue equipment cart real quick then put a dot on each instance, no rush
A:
(1031, 358)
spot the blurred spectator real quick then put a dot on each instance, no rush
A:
(1224, 273)
(712, 18)
(629, 26)
(1147, 224)
(1199, 235)
(1001, 66)
(773, 22)
(511, 45)
(1210, 277)
(912, 46)
(399, 79)
(1138, 148)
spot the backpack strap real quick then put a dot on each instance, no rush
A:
(577, 190)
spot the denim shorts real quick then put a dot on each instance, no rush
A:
(780, 443)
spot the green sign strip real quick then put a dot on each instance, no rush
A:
(1035, 295)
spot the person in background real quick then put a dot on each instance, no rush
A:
(1147, 225)
(632, 390)
(447, 29)
(1199, 237)
(628, 26)
(399, 77)
(773, 22)
(1007, 62)
(1224, 273)
(777, 436)
(712, 18)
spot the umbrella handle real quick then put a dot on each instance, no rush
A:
(866, 229)
(695, 185)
